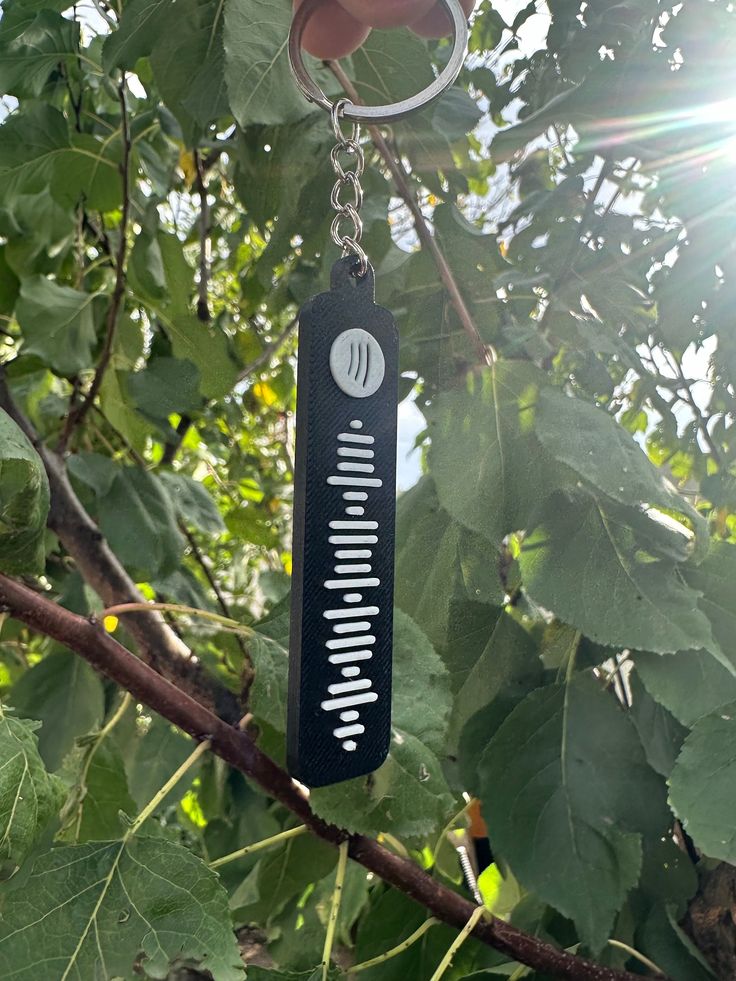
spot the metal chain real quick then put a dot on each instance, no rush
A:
(350, 179)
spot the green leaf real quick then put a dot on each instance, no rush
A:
(703, 784)
(457, 567)
(391, 918)
(715, 578)
(421, 707)
(268, 697)
(103, 795)
(206, 347)
(660, 733)
(139, 27)
(259, 80)
(604, 454)
(586, 566)
(29, 796)
(66, 696)
(188, 61)
(38, 150)
(568, 792)
(690, 684)
(9, 284)
(407, 796)
(166, 386)
(151, 755)
(663, 940)
(102, 904)
(94, 470)
(280, 876)
(138, 520)
(193, 502)
(118, 408)
(57, 324)
(489, 653)
(490, 423)
(24, 502)
(34, 49)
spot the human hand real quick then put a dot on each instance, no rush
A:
(339, 27)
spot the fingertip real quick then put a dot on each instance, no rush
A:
(436, 23)
(332, 32)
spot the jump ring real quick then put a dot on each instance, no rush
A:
(337, 112)
(350, 180)
(343, 108)
(352, 148)
(350, 215)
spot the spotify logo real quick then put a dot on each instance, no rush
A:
(357, 363)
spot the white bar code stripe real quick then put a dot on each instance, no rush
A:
(365, 611)
(351, 583)
(353, 451)
(338, 645)
(350, 656)
(351, 628)
(344, 687)
(357, 525)
(334, 704)
(353, 540)
(344, 731)
(355, 438)
(354, 482)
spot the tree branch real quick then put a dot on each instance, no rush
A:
(78, 413)
(268, 352)
(89, 640)
(101, 569)
(429, 242)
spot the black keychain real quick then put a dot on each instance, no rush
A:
(339, 713)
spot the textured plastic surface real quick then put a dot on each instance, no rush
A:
(339, 723)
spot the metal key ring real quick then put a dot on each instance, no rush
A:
(397, 110)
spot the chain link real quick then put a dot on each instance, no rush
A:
(347, 179)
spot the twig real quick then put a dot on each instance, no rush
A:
(88, 640)
(260, 846)
(429, 242)
(204, 314)
(342, 864)
(658, 972)
(226, 622)
(398, 949)
(221, 601)
(446, 962)
(268, 352)
(203, 302)
(173, 780)
(76, 415)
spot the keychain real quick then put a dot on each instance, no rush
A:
(340, 665)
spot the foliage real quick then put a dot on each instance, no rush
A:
(566, 559)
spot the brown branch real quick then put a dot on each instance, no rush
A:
(101, 569)
(203, 303)
(204, 314)
(428, 240)
(268, 352)
(78, 413)
(90, 641)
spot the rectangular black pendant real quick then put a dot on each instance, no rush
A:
(339, 723)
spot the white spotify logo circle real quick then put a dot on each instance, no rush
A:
(357, 363)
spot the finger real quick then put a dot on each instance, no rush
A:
(387, 13)
(437, 22)
(332, 32)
